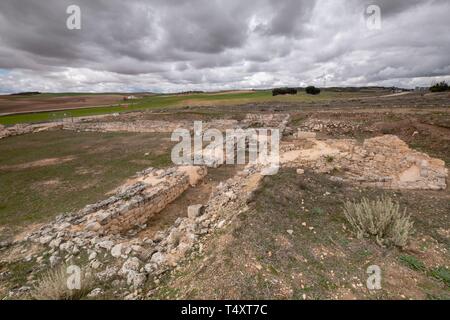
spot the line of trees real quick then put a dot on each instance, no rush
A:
(312, 90)
(282, 91)
(439, 87)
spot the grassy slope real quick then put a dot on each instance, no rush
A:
(166, 101)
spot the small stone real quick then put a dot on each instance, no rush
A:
(107, 244)
(107, 274)
(116, 251)
(158, 258)
(135, 279)
(45, 239)
(137, 248)
(195, 211)
(93, 226)
(132, 264)
(221, 224)
(92, 256)
(300, 171)
(95, 264)
(149, 267)
(95, 293)
(55, 243)
(75, 251)
(66, 246)
(290, 231)
(54, 260)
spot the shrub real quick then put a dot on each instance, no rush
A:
(412, 262)
(282, 91)
(312, 90)
(53, 286)
(381, 219)
(440, 87)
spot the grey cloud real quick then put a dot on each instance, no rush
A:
(175, 45)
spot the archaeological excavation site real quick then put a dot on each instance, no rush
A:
(102, 193)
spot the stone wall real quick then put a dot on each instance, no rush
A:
(141, 198)
(20, 129)
(384, 161)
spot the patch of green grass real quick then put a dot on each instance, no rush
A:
(317, 211)
(441, 273)
(19, 272)
(412, 262)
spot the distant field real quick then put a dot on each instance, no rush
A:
(49, 101)
(152, 102)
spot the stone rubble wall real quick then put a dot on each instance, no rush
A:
(266, 120)
(133, 205)
(92, 123)
(213, 155)
(20, 129)
(384, 162)
(330, 125)
(147, 126)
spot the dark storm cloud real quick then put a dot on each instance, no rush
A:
(212, 44)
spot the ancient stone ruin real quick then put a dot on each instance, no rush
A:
(384, 162)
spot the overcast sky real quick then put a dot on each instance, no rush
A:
(178, 45)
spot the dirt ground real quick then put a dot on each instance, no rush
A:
(22, 104)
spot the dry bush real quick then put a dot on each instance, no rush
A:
(381, 219)
(53, 286)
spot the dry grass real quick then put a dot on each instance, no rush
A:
(54, 286)
(380, 218)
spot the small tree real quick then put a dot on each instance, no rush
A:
(312, 90)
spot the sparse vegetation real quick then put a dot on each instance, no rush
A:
(441, 273)
(381, 219)
(54, 285)
(412, 262)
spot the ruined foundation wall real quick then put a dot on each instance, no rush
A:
(384, 162)
(137, 201)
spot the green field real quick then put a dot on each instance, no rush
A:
(49, 173)
(173, 100)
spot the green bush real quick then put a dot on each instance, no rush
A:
(312, 90)
(440, 87)
(380, 219)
